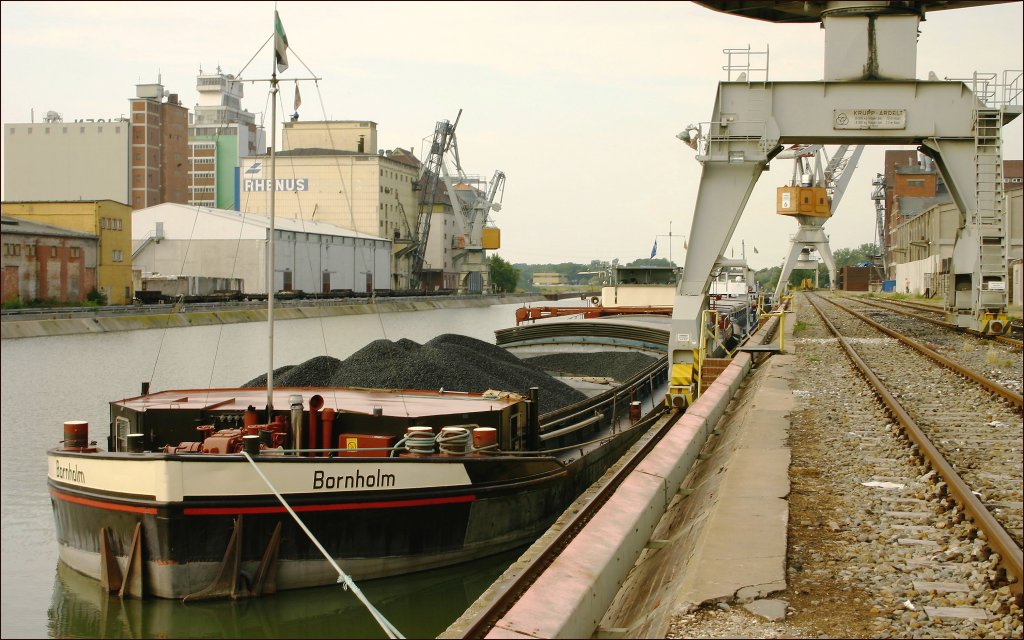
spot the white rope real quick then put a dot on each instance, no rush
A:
(342, 576)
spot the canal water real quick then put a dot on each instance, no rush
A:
(46, 381)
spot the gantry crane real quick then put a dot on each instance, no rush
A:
(869, 95)
(812, 197)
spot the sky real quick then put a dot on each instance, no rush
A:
(577, 102)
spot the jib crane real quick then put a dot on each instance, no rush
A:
(429, 186)
(812, 197)
(471, 199)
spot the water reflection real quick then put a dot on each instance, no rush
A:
(419, 605)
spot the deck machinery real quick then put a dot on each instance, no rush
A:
(869, 95)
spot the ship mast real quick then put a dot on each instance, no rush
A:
(270, 240)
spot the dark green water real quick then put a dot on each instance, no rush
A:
(46, 381)
(420, 605)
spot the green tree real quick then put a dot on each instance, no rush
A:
(651, 262)
(847, 257)
(504, 277)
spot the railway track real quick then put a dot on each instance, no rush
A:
(997, 362)
(933, 315)
(884, 539)
(968, 431)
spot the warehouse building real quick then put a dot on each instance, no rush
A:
(310, 256)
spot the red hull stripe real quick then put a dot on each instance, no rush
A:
(393, 504)
(102, 505)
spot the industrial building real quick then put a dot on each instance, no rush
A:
(109, 221)
(57, 160)
(334, 173)
(44, 262)
(159, 151)
(311, 256)
(220, 133)
(921, 241)
(141, 160)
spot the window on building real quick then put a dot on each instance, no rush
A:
(75, 252)
(287, 285)
(30, 250)
(915, 183)
(53, 252)
(117, 255)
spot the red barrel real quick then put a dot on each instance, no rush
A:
(76, 435)
(484, 437)
(635, 411)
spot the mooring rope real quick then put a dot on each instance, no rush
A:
(343, 577)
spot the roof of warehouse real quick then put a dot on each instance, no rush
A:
(12, 224)
(254, 219)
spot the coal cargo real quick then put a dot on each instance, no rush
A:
(451, 362)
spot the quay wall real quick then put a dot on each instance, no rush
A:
(85, 322)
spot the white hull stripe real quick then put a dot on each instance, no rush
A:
(171, 480)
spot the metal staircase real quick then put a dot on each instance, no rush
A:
(989, 216)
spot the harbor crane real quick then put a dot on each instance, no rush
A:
(428, 183)
(471, 199)
(812, 197)
(869, 94)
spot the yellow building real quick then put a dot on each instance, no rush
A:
(111, 221)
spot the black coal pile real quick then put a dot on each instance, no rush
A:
(449, 361)
(606, 364)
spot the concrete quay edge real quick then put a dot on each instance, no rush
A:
(585, 580)
(84, 324)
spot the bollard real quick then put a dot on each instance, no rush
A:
(251, 444)
(135, 442)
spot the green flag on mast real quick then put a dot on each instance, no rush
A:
(280, 44)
